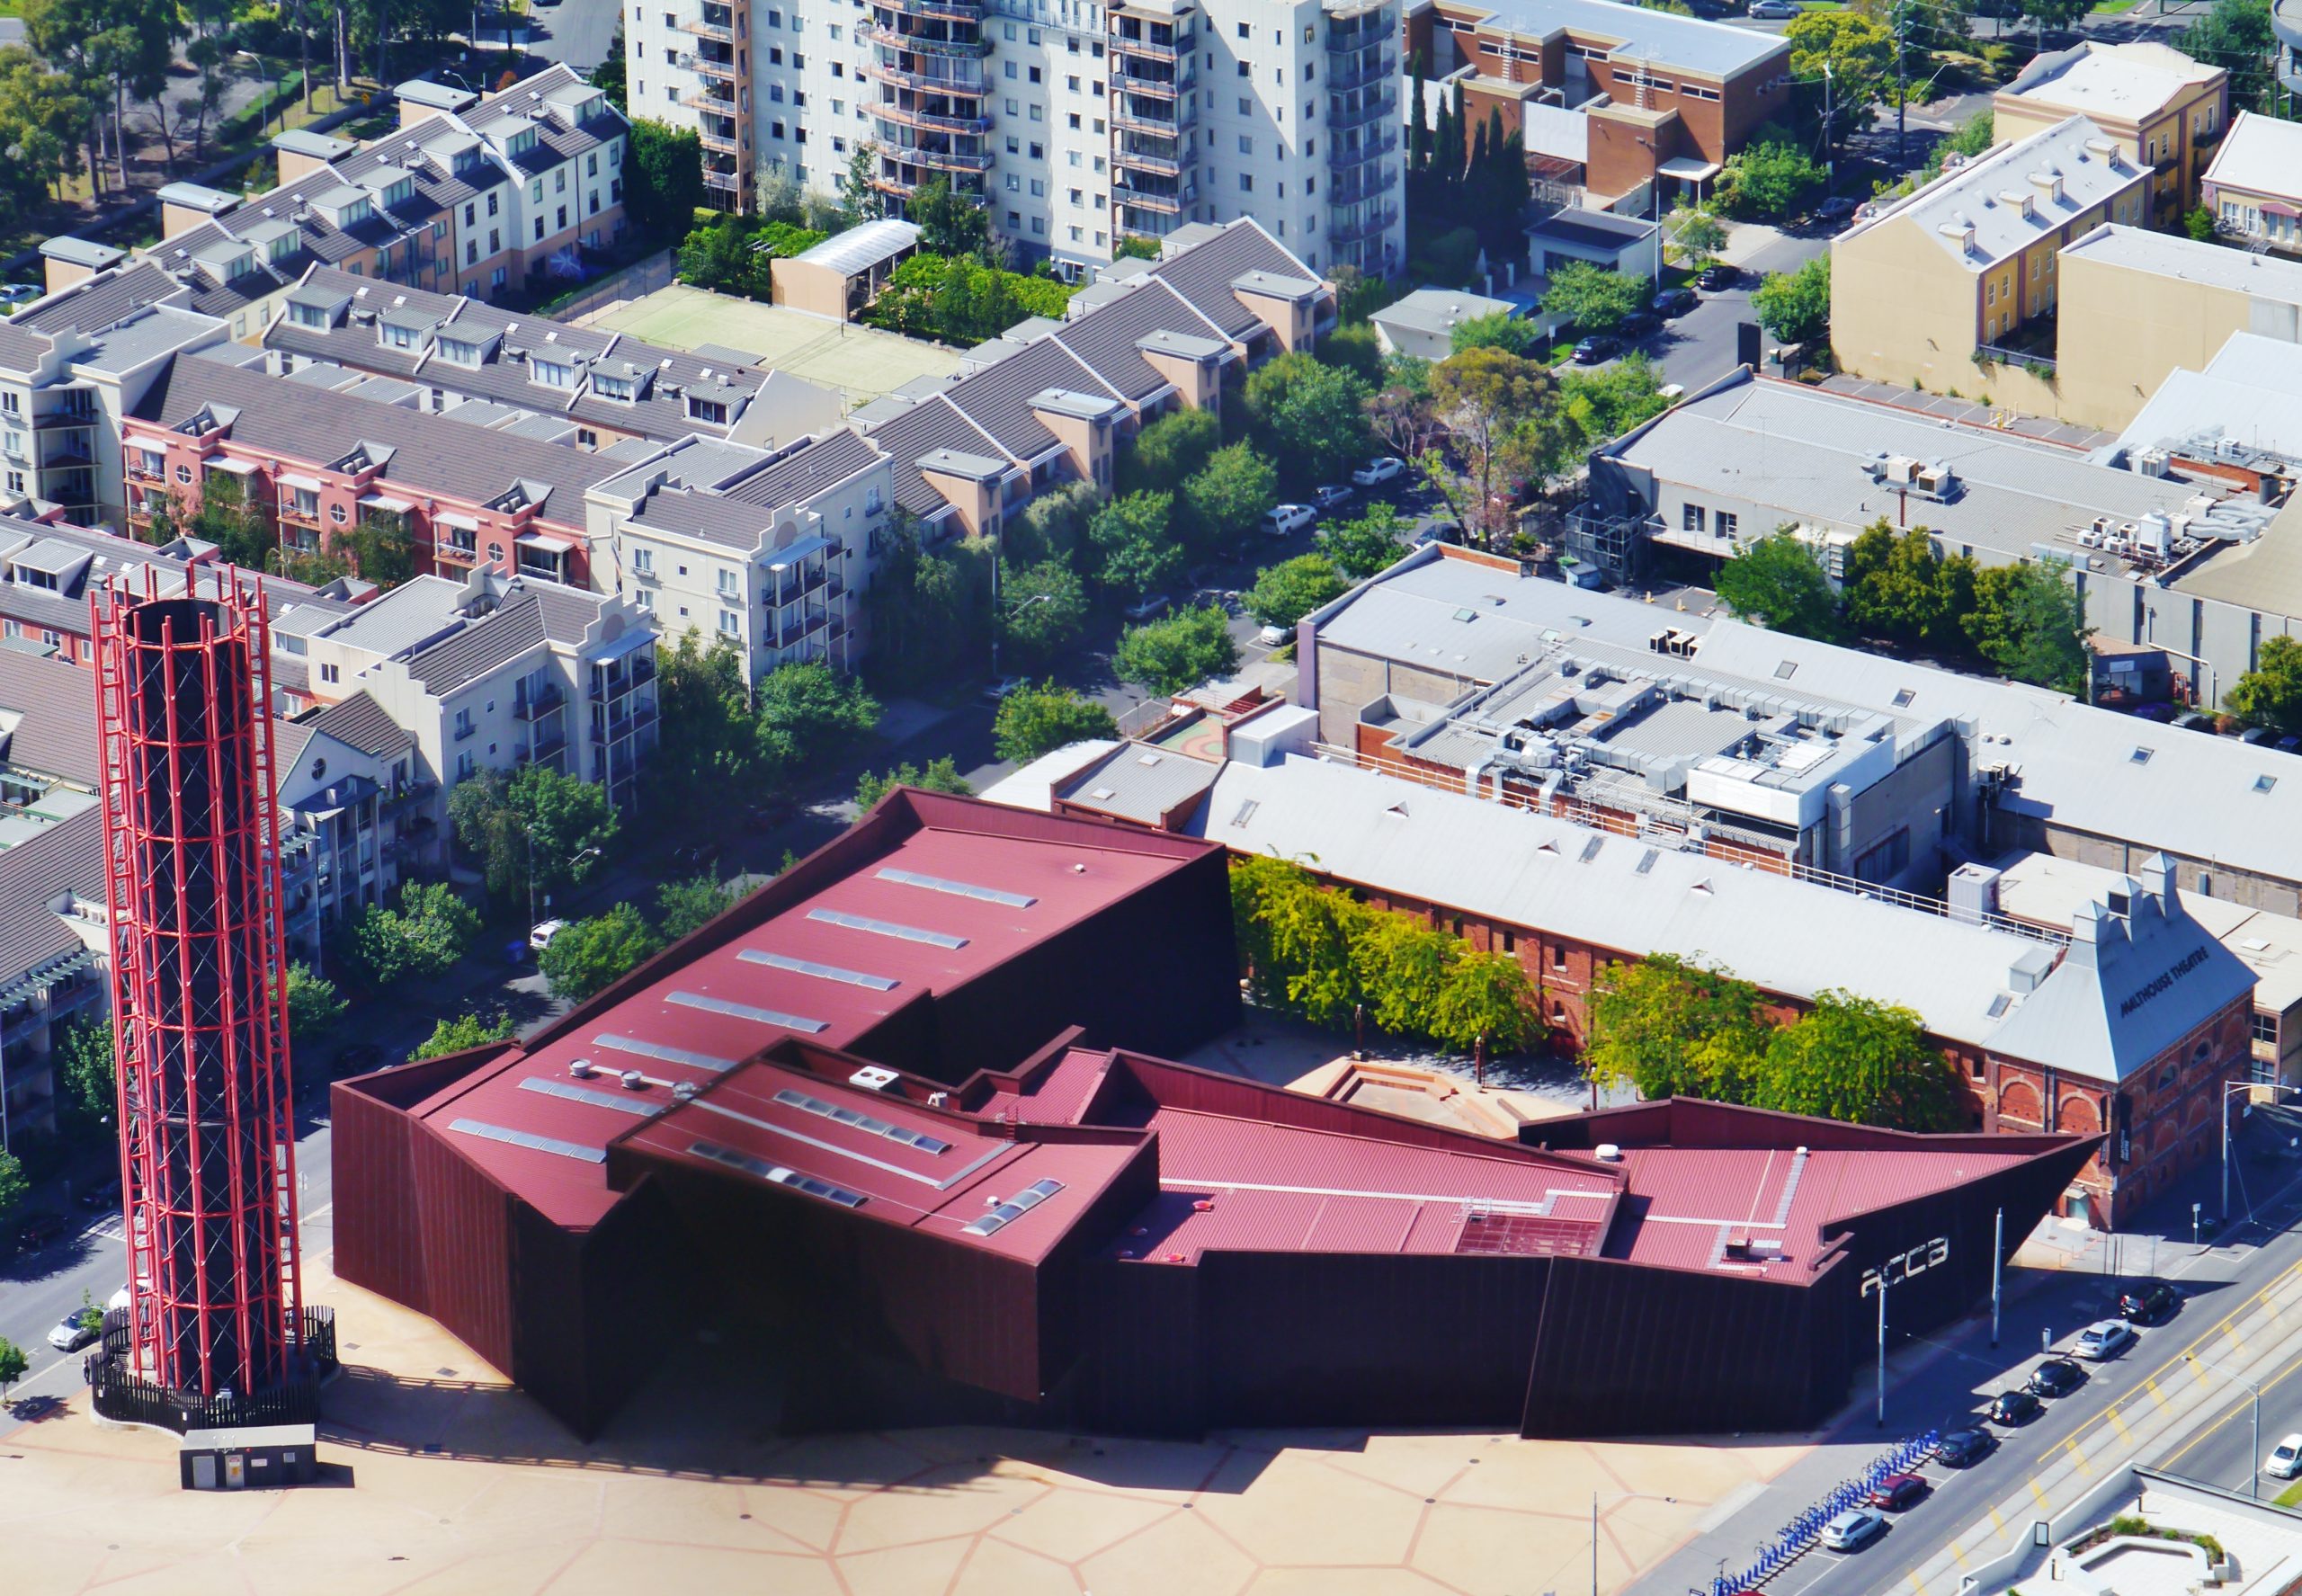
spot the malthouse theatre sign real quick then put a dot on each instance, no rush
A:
(2166, 978)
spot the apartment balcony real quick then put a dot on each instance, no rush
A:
(718, 143)
(949, 10)
(1173, 49)
(535, 705)
(138, 471)
(1373, 147)
(1365, 181)
(1372, 223)
(789, 630)
(708, 99)
(546, 748)
(727, 183)
(1129, 80)
(1347, 73)
(791, 589)
(938, 160)
(409, 792)
(631, 719)
(1161, 162)
(290, 516)
(712, 66)
(1143, 224)
(1350, 38)
(462, 551)
(1149, 116)
(1372, 107)
(715, 24)
(973, 85)
(934, 121)
(1170, 202)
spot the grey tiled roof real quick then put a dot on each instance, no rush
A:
(481, 648)
(361, 722)
(55, 708)
(65, 858)
(924, 428)
(1203, 274)
(808, 470)
(429, 452)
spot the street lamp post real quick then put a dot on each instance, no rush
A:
(278, 83)
(2228, 1088)
(2254, 1461)
(1617, 1497)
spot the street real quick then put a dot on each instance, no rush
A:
(1948, 1380)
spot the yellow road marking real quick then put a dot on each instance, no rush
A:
(2156, 1396)
(1915, 1583)
(2118, 1424)
(2237, 1342)
(1997, 1523)
(2039, 1491)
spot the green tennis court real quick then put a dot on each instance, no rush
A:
(861, 362)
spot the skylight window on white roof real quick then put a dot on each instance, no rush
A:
(1903, 697)
(1786, 670)
(2140, 756)
(885, 928)
(989, 895)
(2265, 783)
(1246, 812)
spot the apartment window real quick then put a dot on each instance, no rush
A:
(1691, 518)
(1246, 106)
(1038, 188)
(1246, 182)
(495, 242)
(1036, 76)
(1039, 113)
(2266, 1029)
(1077, 198)
(643, 560)
(562, 222)
(1014, 218)
(183, 476)
(471, 252)
(730, 623)
(1010, 68)
(1015, 145)
(591, 165)
(1246, 144)
(539, 229)
(1039, 152)
(559, 180)
(1246, 71)
(1726, 522)
(1014, 183)
(727, 582)
(1244, 32)
(337, 513)
(492, 200)
(331, 673)
(463, 765)
(535, 191)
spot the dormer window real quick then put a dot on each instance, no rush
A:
(398, 337)
(711, 410)
(550, 373)
(456, 352)
(400, 192)
(307, 316)
(615, 388)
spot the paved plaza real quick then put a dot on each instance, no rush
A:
(863, 363)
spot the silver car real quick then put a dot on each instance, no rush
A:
(2105, 1339)
(1853, 1529)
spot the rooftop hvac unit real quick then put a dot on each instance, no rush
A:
(2156, 462)
(1936, 481)
(872, 1077)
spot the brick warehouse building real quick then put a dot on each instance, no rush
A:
(888, 1107)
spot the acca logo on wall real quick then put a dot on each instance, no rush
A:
(1902, 1266)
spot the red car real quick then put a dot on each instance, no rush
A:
(1897, 1492)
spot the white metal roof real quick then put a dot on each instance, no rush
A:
(2262, 155)
(2124, 82)
(2006, 194)
(863, 246)
(2264, 277)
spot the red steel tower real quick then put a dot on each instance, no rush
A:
(208, 1153)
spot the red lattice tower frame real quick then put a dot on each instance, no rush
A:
(199, 973)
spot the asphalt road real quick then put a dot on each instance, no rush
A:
(1964, 1372)
(576, 32)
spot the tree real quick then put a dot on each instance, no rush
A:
(1859, 53)
(682, 907)
(1168, 451)
(315, 1007)
(2271, 694)
(1164, 657)
(420, 940)
(2199, 224)
(381, 550)
(1897, 586)
(14, 1185)
(1700, 235)
(1221, 502)
(461, 1033)
(807, 713)
(2029, 622)
(1402, 965)
(1595, 300)
(1795, 306)
(1672, 1027)
(1355, 349)
(1779, 582)
(1287, 591)
(1499, 329)
(859, 201)
(1052, 525)
(929, 611)
(1363, 547)
(1768, 177)
(950, 224)
(589, 955)
(1856, 1059)
(86, 1070)
(703, 719)
(1134, 551)
(2236, 35)
(13, 1364)
(1134, 246)
(1036, 720)
(535, 831)
(1309, 417)
(941, 775)
(663, 180)
(1597, 407)
(1486, 397)
(1486, 1000)
(1043, 609)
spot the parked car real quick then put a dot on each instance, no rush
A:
(1597, 347)
(2148, 1306)
(1376, 472)
(71, 1333)
(2017, 1406)
(1284, 520)
(1773, 11)
(2105, 1339)
(1332, 497)
(1717, 275)
(1964, 1447)
(999, 687)
(1855, 1529)
(35, 1231)
(2057, 1377)
(541, 937)
(1272, 636)
(2285, 1459)
(1674, 302)
(1427, 535)
(2161, 713)
(20, 293)
(1836, 209)
(104, 1194)
(1898, 1492)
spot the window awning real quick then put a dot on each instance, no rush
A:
(237, 468)
(1689, 169)
(784, 558)
(551, 541)
(451, 518)
(386, 502)
(310, 484)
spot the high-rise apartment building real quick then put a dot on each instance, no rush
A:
(1079, 123)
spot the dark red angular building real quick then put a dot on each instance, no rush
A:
(891, 1110)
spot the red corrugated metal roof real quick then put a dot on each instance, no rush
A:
(1059, 1095)
(680, 1026)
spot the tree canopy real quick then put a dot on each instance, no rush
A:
(564, 824)
(1036, 720)
(1595, 300)
(1779, 582)
(1795, 306)
(421, 940)
(941, 775)
(2029, 620)
(1285, 592)
(460, 1032)
(1166, 656)
(590, 955)
(1135, 552)
(1369, 542)
(1221, 502)
(682, 907)
(1309, 417)
(2271, 694)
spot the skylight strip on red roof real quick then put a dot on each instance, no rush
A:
(837, 1151)
(776, 1173)
(669, 1055)
(622, 1102)
(720, 1005)
(808, 967)
(989, 895)
(887, 928)
(529, 1139)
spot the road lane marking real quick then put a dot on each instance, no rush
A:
(2156, 1396)
(2118, 1424)
(2039, 1491)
